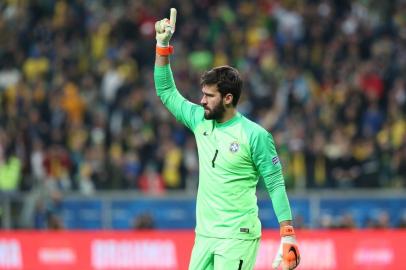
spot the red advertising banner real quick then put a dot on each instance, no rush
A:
(170, 250)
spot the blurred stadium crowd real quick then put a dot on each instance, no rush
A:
(79, 111)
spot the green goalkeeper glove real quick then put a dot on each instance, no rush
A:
(165, 29)
(288, 252)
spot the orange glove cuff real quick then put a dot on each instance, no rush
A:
(164, 51)
(287, 230)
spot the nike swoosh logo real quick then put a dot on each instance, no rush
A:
(294, 252)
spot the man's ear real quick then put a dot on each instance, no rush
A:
(228, 99)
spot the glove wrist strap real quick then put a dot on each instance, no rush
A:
(164, 51)
(287, 230)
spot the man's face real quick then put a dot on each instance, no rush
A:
(212, 103)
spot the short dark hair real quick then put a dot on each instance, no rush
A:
(226, 78)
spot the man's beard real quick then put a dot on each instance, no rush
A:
(216, 113)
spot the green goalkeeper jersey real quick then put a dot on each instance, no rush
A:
(232, 156)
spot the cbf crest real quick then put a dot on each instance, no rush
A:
(234, 147)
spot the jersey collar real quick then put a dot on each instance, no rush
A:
(228, 122)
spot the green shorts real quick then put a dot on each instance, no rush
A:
(223, 254)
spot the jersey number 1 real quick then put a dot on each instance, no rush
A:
(214, 158)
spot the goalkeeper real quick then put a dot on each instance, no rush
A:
(233, 151)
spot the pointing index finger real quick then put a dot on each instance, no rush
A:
(172, 18)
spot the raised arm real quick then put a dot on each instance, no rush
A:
(186, 112)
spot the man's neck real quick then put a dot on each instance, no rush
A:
(228, 114)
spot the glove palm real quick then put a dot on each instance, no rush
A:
(288, 253)
(164, 29)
